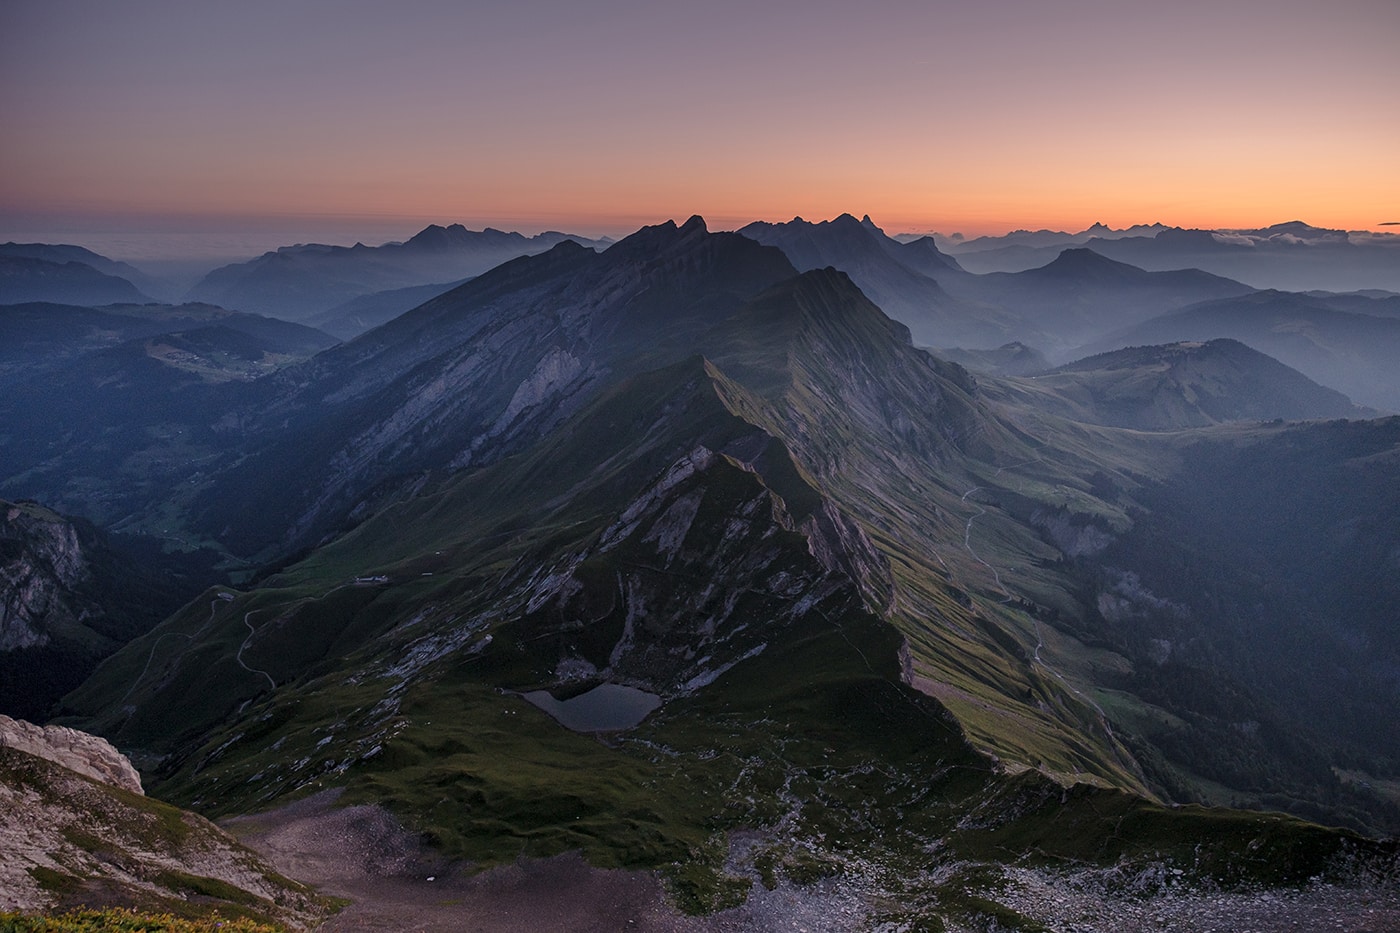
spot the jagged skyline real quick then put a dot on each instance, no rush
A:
(601, 118)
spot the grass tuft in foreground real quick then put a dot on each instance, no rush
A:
(122, 920)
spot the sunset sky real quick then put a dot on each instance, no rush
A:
(373, 119)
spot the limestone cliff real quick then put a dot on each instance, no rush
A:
(77, 751)
(68, 599)
(41, 564)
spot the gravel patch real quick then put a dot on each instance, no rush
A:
(395, 883)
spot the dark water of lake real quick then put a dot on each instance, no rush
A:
(605, 708)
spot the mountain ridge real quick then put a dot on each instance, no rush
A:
(1177, 386)
(882, 611)
(1341, 349)
(302, 281)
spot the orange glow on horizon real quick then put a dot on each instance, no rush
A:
(598, 119)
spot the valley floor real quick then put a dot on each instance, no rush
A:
(393, 882)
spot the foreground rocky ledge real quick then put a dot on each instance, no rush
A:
(76, 831)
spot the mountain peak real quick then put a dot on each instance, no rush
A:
(829, 295)
(1300, 229)
(652, 237)
(1081, 261)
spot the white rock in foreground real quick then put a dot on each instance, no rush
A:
(77, 751)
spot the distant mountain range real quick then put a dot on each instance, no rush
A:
(25, 279)
(1082, 294)
(62, 254)
(1345, 350)
(301, 282)
(1032, 239)
(908, 280)
(1075, 297)
(1291, 256)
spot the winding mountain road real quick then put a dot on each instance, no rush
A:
(239, 657)
(213, 609)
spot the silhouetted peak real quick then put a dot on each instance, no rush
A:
(436, 236)
(1079, 260)
(1080, 255)
(1304, 231)
(650, 241)
(650, 233)
(869, 224)
(567, 247)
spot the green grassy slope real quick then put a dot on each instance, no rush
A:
(819, 546)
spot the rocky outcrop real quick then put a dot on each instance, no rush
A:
(69, 841)
(840, 544)
(696, 575)
(77, 751)
(68, 599)
(41, 561)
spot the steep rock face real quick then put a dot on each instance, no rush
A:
(74, 750)
(841, 545)
(68, 598)
(43, 563)
(696, 574)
